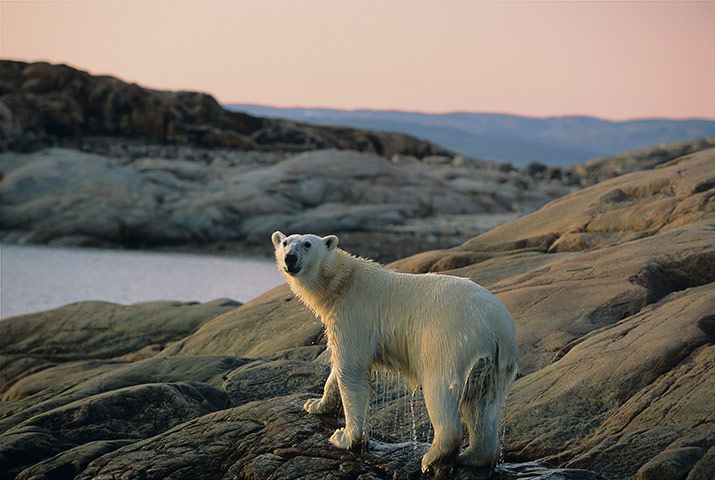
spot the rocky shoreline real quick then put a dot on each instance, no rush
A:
(611, 288)
(131, 195)
(233, 201)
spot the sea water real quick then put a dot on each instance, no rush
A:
(35, 278)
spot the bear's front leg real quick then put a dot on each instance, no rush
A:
(329, 402)
(354, 383)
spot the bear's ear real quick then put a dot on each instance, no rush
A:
(330, 242)
(277, 238)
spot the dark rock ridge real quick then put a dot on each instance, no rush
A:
(42, 104)
(612, 290)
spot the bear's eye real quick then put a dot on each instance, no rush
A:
(307, 244)
(285, 242)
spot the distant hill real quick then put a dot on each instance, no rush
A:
(43, 104)
(559, 141)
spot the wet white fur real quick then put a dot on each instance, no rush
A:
(445, 333)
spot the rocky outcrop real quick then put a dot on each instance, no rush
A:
(612, 292)
(67, 196)
(42, 104)
(603, 168)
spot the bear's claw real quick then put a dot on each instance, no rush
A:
(438, 463)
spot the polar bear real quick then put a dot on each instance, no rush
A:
(447, 334)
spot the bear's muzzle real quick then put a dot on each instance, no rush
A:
(291, 264)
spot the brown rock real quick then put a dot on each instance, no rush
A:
(612, 293)
(261, 380)
(600, 169)
(582, 391)
(267, 324)
(71, 462)
(648, 202)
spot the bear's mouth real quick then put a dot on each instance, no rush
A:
(292, 269)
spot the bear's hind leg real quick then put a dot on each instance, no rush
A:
(443, 408)
(482, 421)
(480, 410)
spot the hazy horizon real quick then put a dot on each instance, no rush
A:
(459, 112)
(615, 61)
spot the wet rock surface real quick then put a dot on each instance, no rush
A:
(612, 292)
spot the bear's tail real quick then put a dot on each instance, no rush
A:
(489, 380)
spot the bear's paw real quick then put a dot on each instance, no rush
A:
(314, 406)
(342, 439)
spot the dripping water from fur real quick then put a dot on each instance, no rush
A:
(397, 411)
(414, 423)
(502, 432)
(397, 420)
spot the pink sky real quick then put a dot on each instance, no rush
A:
(615, 60)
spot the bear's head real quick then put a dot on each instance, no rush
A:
(299, 254)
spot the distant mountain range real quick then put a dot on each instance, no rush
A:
(559, 141)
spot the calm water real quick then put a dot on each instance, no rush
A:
(34, 278)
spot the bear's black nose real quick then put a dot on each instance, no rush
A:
(290, 259)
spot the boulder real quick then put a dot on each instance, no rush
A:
(95, 330)
(70, 463)
(615, 381)
(60, 192)
(603, 168)
(614, 211)
(59, 386)
(262, 380)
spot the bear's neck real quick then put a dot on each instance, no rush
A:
(323, 289)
